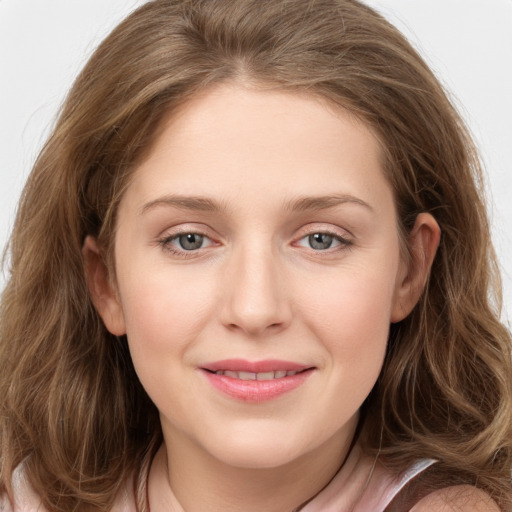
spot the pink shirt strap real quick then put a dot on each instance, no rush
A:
(363, 485)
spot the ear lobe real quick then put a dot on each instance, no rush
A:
(423, 241)
(103, 294)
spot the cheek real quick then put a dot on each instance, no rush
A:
(164, 318)
(353, 299)
(164, 312)
(350, 313)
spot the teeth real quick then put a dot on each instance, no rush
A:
(265, 376)
(246, 376)
(279, 374)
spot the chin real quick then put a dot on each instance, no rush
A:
(253, 450)
(258, 458)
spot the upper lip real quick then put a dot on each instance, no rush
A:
(242, 365)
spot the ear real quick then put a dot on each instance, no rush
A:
(103, 293)
(423, 241)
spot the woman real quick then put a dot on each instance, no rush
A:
(251, 270)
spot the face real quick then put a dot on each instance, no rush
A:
(258, 270)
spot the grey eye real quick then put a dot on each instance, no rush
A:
(320, 241)
(190, 241)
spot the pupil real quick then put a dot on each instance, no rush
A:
(320, 241)
(191, 241)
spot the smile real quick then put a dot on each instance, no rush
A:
(256, 381)
(279, 374)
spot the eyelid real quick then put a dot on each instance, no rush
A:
(185, 228)
(171, 234)
(344, 237)
(177, 237)
(328, 229)
(340, 241)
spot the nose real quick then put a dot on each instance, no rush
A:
(255, 293)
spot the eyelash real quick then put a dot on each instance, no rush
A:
(344, 243)
(166, 242)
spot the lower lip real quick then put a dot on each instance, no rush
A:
(257, 390)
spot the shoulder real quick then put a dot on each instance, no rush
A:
(459, 498)
(24, 498)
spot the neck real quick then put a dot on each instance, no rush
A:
(184, 478)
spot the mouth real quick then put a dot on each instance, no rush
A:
(278, 374)
(256, 381)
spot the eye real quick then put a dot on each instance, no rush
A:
(190, 241)
(322, 241)
(186, 242)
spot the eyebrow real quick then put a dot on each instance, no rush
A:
(300, 204)
(184, 203)
(308, 203)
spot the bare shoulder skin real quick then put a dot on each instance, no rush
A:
(460, 498)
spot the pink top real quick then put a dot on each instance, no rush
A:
(361, 485)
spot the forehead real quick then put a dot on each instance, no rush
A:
(236, 140)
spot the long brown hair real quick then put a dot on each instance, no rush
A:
(73, 411)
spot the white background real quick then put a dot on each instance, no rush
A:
(468, 43)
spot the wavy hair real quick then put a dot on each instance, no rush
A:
(73, 410)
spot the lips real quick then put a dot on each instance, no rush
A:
(279, 374)
(241, 365)
(256, 381)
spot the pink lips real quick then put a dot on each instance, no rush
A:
(255, 381)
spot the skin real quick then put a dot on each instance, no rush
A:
(459, 498)
(257, 289)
